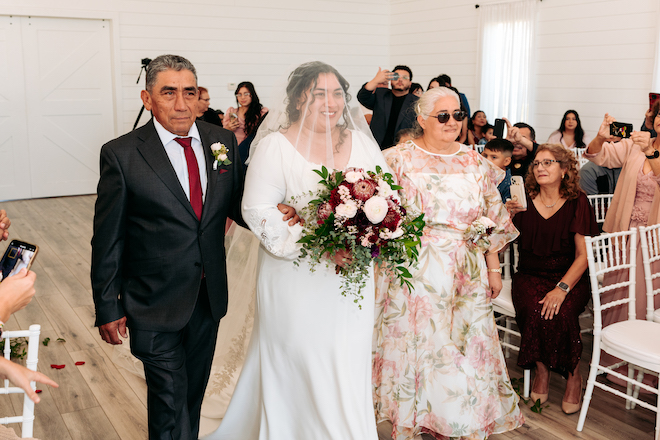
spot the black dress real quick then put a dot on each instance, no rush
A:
(547, 250)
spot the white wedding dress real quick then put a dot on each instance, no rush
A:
(307, 372)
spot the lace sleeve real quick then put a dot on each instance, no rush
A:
(265, 187)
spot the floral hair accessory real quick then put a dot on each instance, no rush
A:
(220, 153)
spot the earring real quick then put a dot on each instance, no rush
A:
(563, 175)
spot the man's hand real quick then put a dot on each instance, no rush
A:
(381, 76)
(21, 377)
(290, 214)
(16, 292)
(109, 331)
(4, 225)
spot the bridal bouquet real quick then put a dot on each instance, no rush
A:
(356, 211)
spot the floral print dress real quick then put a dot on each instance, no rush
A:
(438, 365)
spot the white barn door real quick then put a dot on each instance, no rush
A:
(67, 88)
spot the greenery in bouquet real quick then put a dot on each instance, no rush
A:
(356, 211)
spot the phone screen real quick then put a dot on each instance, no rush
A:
(621, 129)
(17, 256)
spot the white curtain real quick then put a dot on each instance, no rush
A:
(506, 54)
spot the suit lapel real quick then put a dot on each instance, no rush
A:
(154, 154)
(210, 173)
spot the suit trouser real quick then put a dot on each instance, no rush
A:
(177, 366)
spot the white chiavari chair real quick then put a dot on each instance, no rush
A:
(503, 305)
(27, 419)
(601, 203)
(650, 242)
(632, 340)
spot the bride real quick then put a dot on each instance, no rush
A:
(307, 372)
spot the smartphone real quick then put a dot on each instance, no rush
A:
(498, 131)
(517, 190)
(233, 116)
(653, 97)
(18, 255)
(394, 76)
(621, 129)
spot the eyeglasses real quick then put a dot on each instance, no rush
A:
(444, 117)
(545, 162)
(244, 95)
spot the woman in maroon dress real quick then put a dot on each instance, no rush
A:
(551, 288)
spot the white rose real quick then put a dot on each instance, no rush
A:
(384, 189)
(353, 176)
(375, 209)
(222, 157)
(396, 234)
(348, 209)
(217, 146)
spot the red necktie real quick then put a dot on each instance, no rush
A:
(193, 176)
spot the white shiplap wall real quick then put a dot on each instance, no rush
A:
(230, 41)
(594, 56)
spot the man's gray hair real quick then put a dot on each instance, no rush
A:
(426, 103)
(167, 62)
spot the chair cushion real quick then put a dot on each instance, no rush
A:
(637, 339)
(503, 303)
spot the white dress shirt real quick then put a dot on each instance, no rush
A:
(177, 156)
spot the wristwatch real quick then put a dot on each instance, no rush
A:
(563, 286)
(655, 155)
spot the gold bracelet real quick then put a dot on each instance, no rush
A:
(498, 270)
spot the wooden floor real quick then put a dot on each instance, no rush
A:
(98, 400)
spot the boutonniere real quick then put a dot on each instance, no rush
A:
(220, 153)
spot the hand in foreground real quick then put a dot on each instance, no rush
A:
(109, 331)
(514, 207)
(495, 284)
(4, 225)
(552, 303)
(16, 292)
(290, 214)
(649, 118)
(342, 258)
(21, 377)
(643, 140)
(604, 130)
(233, 124)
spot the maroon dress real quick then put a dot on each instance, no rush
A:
(547, 250)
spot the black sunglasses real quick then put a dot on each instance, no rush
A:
(458, 115)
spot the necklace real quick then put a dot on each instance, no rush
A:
(550, 206)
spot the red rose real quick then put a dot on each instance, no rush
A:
(335, 199)
(363, 190)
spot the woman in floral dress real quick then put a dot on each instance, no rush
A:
(438, 366)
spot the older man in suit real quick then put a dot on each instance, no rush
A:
(158, 256)
(393, 109)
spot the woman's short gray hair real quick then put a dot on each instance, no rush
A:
(167, 62)
(425, 104)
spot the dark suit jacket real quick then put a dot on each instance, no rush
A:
(380, 102)
(148, 248)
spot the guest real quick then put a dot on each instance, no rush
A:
(405, 135)
(243, 121)
(427, 366)
(416, 89)
(204, 112)
(445, 79)
(489, 134)
(433, 84)
(393, 108)
(570, 133)
(636, 200)
(523, 138)
(475, 127)
(551, 287)
(598, 180)
(499, 151)
(647, 125)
